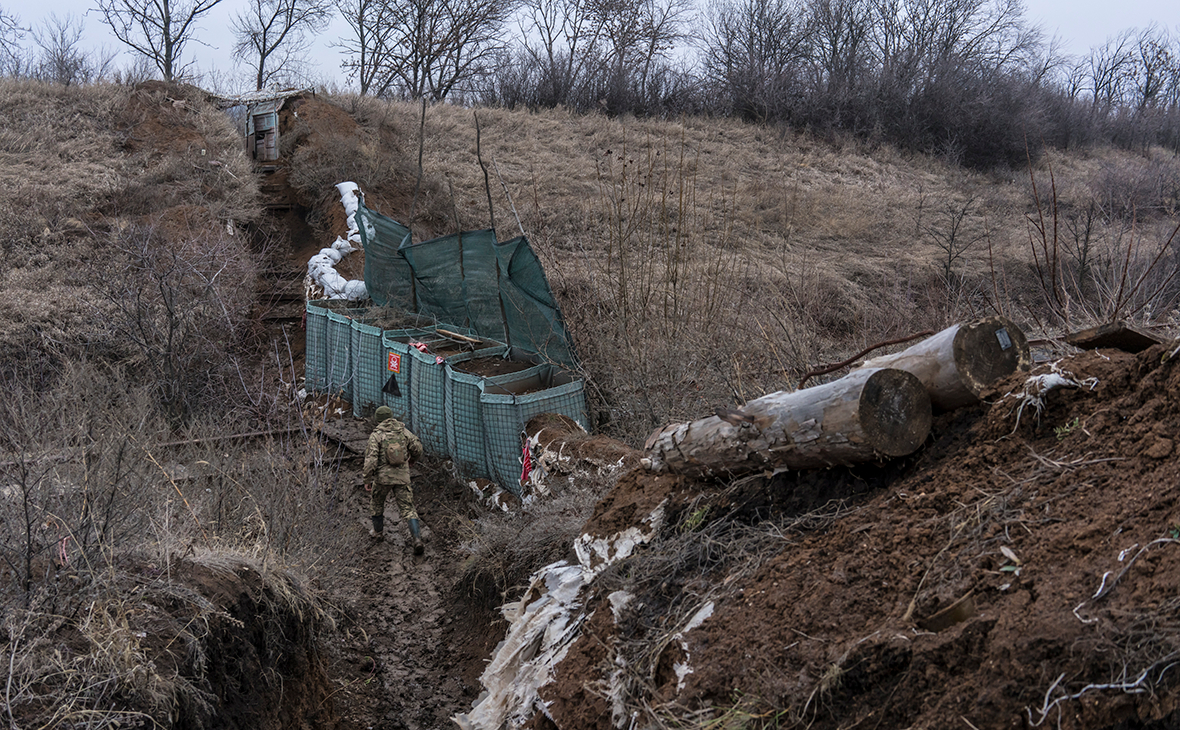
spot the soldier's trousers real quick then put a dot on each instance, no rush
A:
(403, 495)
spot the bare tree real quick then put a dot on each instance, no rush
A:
(562, 38)
(10, 37)
(61, 58)
(367, 50)
(157, 30)
(1156, 65)
(637, 34)
(1111, 71)
(422, 48)
(272, 34)
(839, 42)
(752, 48)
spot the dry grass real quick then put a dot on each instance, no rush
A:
(703, 262)
(505, 549)
(699, 263)
(105, 518)
(83, 162)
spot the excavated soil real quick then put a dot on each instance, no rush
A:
(487, 367)
(1009, 575)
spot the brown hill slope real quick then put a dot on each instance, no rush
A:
(1020, 571)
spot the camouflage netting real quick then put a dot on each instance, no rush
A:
(439, 303)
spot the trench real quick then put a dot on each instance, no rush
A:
(410, 640)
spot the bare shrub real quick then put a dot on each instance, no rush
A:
(179, 306)
(504, 549)
(1091, 272)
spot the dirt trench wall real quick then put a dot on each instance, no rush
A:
(1021, 570)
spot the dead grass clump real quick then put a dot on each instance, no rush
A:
(137, 642)
(129, 553)
(505, 549)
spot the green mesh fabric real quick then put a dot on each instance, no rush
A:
(498, 290)
(428, 386)
(315, 363)
(464, 420)
(483, 288)
(455, 277)
(368, 366)
(508, 404)
(532, 318)
(387, 274)
(397, 363)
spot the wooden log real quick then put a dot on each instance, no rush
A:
(864, 416)
(959, 363)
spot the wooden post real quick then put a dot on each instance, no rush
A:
(864, 416)
(959, 363)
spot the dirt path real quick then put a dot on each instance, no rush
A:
(410, 644)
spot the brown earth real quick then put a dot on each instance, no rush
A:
(489, 366)
(411, 645)
(837, 623)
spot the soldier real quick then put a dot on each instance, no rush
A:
(391, 450)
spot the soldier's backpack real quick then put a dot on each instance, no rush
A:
(395, 450)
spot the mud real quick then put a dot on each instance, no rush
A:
(411, 645)
(489, 366)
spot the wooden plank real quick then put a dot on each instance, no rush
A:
(1117, 335)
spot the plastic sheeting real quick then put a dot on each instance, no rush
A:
(508, 404)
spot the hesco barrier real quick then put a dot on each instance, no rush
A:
(493, 291)
(315, 357)
(339, 375)
(397, 362)
(367, 353)
(464, 420)
(508, 404)
(316, 351)
(428, 387)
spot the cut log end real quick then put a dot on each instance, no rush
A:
(989, 350)
(894, 412)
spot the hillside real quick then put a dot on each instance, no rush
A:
(183, 538)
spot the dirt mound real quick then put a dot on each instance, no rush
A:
(162, 115)
(203, 641)
(1021, 570)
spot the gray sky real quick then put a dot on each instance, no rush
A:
(1083, 24)
(1080, 24)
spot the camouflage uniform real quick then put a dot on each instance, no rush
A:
(384, 477)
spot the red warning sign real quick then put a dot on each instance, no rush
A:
(395, 362)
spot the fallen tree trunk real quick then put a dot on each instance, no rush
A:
(959, 363)
(864, 416)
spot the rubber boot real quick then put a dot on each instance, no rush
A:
(416, 533)
(377, 532)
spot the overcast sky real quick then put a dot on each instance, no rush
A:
(1080, 24)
